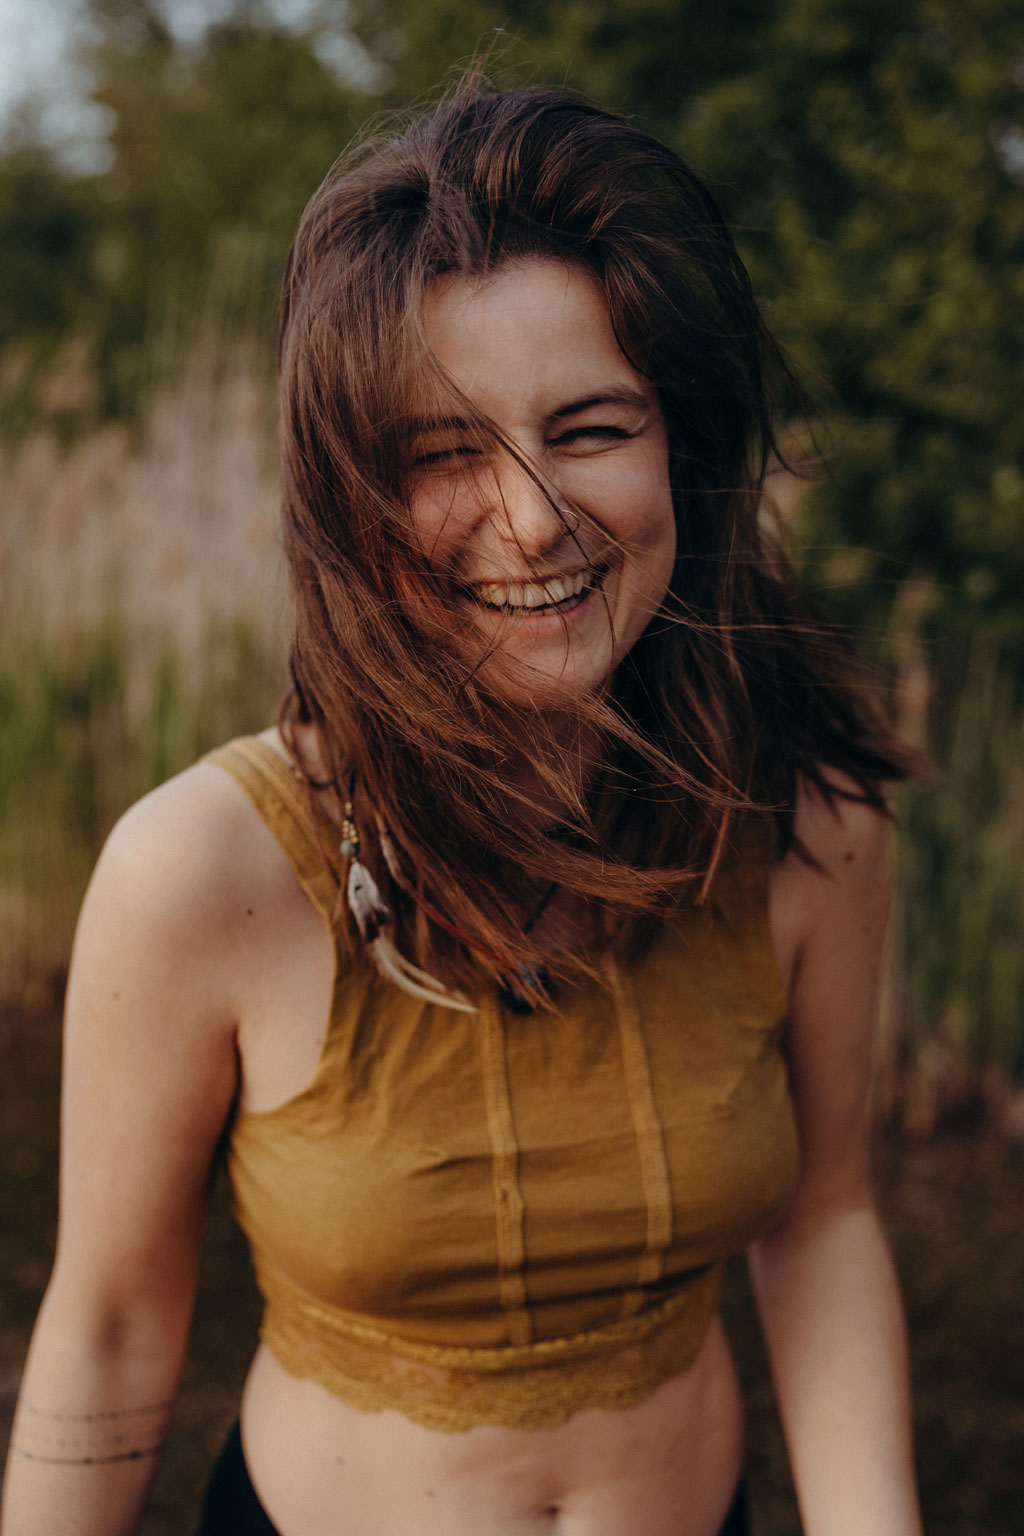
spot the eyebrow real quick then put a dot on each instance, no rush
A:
(615, 394)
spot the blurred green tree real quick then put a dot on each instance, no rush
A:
(47, 231)
(215, 146)
(868, 157)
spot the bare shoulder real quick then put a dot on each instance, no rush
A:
(839, 895)
(168, 906)
(187, 853)
(174, 823)
(841, 832)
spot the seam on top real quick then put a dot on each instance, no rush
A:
(650, 1140)
(509, 1208)
(282, 1294)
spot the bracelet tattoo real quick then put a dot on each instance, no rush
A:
(90, 1439)
(137, 1453)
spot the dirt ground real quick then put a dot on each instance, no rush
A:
(954, 1207)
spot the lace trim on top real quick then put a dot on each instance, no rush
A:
(453, 1388)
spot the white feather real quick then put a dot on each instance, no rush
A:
(365, 902)
(373, 919)
(395, 968)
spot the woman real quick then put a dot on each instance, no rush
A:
(481, 959)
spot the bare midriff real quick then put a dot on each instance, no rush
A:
(666, 1467)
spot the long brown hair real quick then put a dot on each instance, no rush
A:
(736, 691)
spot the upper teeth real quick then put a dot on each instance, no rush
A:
(532, 594)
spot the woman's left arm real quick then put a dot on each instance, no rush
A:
(824, 1279)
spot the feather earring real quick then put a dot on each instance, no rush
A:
(373, 919)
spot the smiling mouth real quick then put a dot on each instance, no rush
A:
(558, 594)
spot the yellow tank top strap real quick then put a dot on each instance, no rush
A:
(281, 798)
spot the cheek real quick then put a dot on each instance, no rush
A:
(647, 523)
(645, 528)
(655, 567)
(440, 523)
(662, 515)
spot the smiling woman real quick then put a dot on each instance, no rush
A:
(527, 968)
(560, 527)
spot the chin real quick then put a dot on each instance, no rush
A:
(549, 692)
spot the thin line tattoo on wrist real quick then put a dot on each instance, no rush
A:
(136, 1454)
(100, 1438)
(95, 1418)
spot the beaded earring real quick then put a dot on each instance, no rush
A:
(373, 919)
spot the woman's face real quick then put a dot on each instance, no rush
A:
(560, 597)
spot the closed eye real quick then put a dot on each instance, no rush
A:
(599, 434)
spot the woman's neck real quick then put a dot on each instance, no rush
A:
(568, 750)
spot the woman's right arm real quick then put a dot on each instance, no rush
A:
(149, 1077)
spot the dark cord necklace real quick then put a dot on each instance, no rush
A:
(533, 976)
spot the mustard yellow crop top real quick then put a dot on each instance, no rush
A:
(502, 1218)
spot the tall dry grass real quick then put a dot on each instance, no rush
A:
(168, 525)
(960, 904)
(141, 620)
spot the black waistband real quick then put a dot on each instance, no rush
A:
(231, 1506)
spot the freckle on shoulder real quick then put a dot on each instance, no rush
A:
(188, 849)
(840, 829)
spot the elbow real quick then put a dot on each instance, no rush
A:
(117, 1320)
(817, 1208)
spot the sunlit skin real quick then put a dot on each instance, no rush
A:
(531, 347)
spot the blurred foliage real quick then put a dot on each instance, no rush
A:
(89, 726)
(214, 147)
(959, 887)
(48, 230)
(871, 157)
(215, 150)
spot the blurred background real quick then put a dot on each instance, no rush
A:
(154, 158)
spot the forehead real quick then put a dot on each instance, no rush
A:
(526, 338)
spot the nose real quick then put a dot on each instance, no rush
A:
(529, 511)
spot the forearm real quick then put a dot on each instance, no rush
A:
(833, 1324)
(91, 1419)
(150, 1073)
